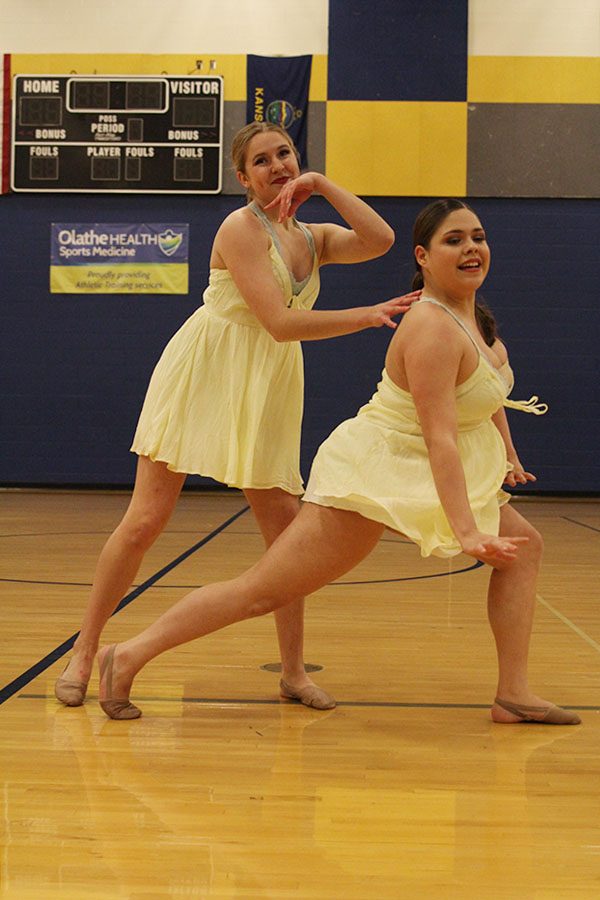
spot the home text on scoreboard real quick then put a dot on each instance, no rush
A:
(117, 134)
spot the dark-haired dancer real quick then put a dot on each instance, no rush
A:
(225, 399)
(434, 432)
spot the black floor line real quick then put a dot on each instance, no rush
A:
(476, 565)
(26, 677)
(190, 587)
(232, 701)
(581, 524)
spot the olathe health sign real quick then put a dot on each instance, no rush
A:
(119, 259)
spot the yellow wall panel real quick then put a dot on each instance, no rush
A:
(318, 78)
(382, 148)
(533, 79)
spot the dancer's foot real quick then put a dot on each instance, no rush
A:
(113, 687)
(505, 712)
(307, 693)
(71, 686)
(71, 693)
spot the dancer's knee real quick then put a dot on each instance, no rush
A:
(532, 550)
(260, 602)
(274, 511)
(536, 542)
(141, 531)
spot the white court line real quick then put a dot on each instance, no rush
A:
(568, 622)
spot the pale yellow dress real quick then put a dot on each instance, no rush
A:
(226, 399)
(377, 463)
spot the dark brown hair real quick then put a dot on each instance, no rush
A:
(426, 224)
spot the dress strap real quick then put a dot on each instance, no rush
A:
(297, 286)
(260, 214)
(308, 235)
(458, 322)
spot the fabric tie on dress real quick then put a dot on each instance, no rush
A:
(532, 405)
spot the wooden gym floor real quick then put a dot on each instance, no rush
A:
(222, 790)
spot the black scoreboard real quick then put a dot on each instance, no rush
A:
(142, 134)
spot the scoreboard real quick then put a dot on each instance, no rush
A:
(143, 134)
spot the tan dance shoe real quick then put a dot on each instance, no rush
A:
(71, 693)
(311, 695)
(115, 709)
(543, 715)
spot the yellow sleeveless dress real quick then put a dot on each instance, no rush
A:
(226, 399)
(377, 463)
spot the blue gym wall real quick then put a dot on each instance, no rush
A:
(75, 368)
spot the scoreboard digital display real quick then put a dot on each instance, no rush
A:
(117, 134)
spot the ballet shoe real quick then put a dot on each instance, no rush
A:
(115, 709)
(311, 695)
(542, 715)
(71, 693)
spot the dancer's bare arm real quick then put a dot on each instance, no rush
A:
(432, 359)
(243, 248)
(367, 236)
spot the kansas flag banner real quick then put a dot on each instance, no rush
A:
(119, 259)
(278, 93)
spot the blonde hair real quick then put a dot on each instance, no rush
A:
(239, 147)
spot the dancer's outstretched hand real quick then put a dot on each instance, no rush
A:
(498, 551)
(293, 194)
(382, 313)
(517, 474)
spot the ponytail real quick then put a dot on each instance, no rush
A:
(486, 322)
(417, 282)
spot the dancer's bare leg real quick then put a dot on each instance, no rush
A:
(511, 603)
(320, 545)
(274, 510)
(154, 497)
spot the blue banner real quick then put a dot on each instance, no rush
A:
(119, 259)
(278, 93)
